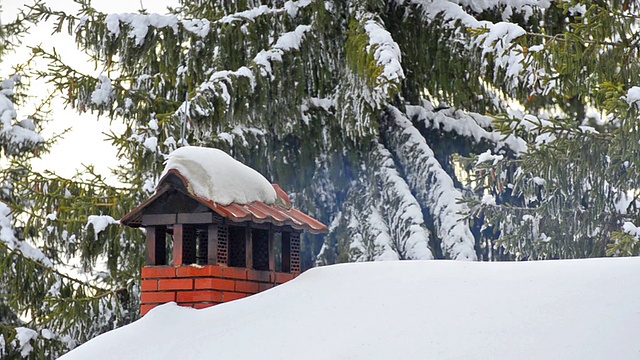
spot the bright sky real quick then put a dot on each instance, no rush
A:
(85, 144)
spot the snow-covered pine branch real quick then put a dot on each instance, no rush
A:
(387, 224)
(496, 42)
(470, 125)
(18, 137)
(431, 185)
(409, 236)
(139, 24)
(7, 236)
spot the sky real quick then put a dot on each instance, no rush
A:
(85, 144)
(556, 309)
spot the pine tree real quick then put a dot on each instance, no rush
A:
(417, 129)
(48, 306)
(576, 186)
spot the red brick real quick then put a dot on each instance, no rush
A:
(258, 275)
(265, 286)
(149, 285)
(203, 306)
(247, 287)
(230, 296)
(175, 284)
(199, 296)
(157, 297)
(215, 284)
(144, 309)
(281, 278)
(155, 272)
(193, 271)
(235, 273)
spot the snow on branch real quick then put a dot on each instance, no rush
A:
(240, 133)
(326, 104)
(290, 7)
(23, 339)
(104, 93)
(21, 136)
(100, 223)
(633, 96)
(524, 6)
(139, 25)
(219, 82)
(218, 85)
(409, 235)
(375, 59)
(286, 42)
(496, 41)
(630, 229)
(387, 224)
(432, 186)
(7, 236)
(470, 125)
(387, 55)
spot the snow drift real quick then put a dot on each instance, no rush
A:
(569, 309)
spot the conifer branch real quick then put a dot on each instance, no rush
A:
(42, 266)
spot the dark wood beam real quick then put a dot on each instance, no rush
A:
(151, 245)
(195, 218)
(248, 247)
(286, 252)
(178, 244)
(158, 219)
(272, 254)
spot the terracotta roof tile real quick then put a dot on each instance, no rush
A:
(279, 214)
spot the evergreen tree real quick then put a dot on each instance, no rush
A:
(417, 129)
(48, 306)
(576, 188)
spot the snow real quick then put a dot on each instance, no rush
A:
(199, 27)
(100, 222)
(470, 125)
(290, 7)
(497, 43)
(293, 39)
(151, 143)
(488, 200)
(488, 156)
(216, 176)
(8, 237)
(22, 134)
(386, 53)
(633, 95)
(23, 339)
(103, 92)
(139, 25)
(566, 309)
(433, 187)
(631, 229)
(247, 15)
(395, 223)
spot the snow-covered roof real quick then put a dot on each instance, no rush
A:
(214, 175)
(228, 188)
(568, 309)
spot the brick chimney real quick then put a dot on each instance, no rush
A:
(201, 253)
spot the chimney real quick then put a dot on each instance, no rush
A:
(216, 231)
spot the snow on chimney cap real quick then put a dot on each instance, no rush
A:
(214, 175)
